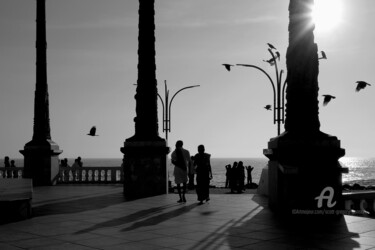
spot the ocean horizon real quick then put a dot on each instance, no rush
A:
(361, 170)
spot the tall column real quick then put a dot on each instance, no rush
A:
(303, 160)
(145, 153)
(41, 153)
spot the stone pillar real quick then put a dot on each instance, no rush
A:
(41, 161)
(303, 163)
(145, 153)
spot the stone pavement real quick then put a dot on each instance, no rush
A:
(98, 217)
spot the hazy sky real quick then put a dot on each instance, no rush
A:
(92, 66)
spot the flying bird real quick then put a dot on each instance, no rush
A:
(327, 99)
(361, 85)
(92, 131)
(228, 66)
(268, 107)
(324, 56)
(271, 46)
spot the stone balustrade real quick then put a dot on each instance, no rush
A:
(71, 175)
(90, 175)
(13, 172)
(361, 202)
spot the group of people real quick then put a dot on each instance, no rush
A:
(186, 167)
(8, 163)
(77, 163)
(235, 176)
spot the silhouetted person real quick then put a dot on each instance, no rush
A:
(6, 162)
(233, 177)
(64, 163)
(191, 184)
(180, 159)
(12, 164)
(227, 175)
(77, 163)
(80, 161)
(249, 169)
(240, 177)
(204, 174)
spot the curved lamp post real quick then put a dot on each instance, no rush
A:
(167, 104)
(277, 91)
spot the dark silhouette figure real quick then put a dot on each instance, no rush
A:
(64, 163)
(77, 163)
(268, 107)
(204, 174)
(12, 164)
(233, 177)
(181, 160)
(324, 56)
(240, 177)
(327, 99)
(249, 169)
(361, 85)
(227, 175)
(271, 46)
(92, 131)
(228, 66)
(6, 162)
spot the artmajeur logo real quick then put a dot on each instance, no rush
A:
(328, 197)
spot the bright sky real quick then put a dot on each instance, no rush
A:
(92, 66)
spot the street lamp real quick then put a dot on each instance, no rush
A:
(167, 104)
(277, 91)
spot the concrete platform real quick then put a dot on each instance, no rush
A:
(98, 217)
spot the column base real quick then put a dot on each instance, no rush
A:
(41, 162)
(145, 168)
(304, 174)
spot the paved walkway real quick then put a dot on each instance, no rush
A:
(97, 217)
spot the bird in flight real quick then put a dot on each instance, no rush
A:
(324, 56)
(361, 85)
(228, 66)
(271, 46)
(327, 99)
(92, 131)
(268, 107)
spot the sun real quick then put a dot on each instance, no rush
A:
(327, 14)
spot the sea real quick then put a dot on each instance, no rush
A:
(361, 170)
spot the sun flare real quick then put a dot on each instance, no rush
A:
(327, 14)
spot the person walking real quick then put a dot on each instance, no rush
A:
(181, 160)
(227, 175)
(249, 169)
(204, 174)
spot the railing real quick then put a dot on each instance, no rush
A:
(361, 202)
(90, 175)
(71, 175)
(12, 172)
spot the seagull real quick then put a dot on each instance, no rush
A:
(271, 46)
(227, 66)
(92, 131)
(270, 61)
(268, 107)
(327, 99)
(324, 56)
(361, 85)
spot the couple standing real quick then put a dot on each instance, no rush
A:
(183, 164)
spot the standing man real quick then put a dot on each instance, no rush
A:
(181, 161)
